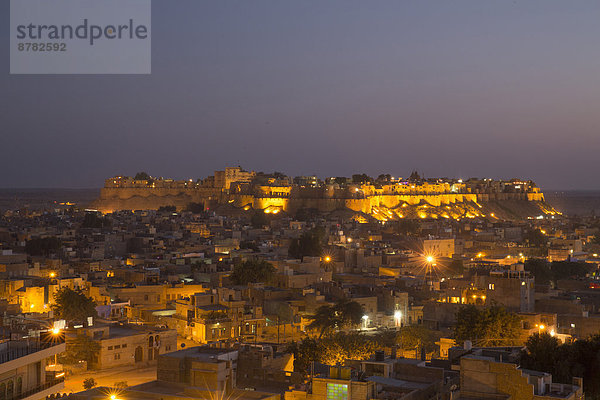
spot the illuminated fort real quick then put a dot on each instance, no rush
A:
(385, 198)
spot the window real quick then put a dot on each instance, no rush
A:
(117, 356)
(336, 391)
(124, 346)
(117, 346)
(145, 297)
(110, 347)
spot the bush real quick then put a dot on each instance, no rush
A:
(89, 383)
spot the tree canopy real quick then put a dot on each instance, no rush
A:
(309, 244)
(42, 246)
(361, 178)
(332, 350)
(487, 326)
(80, 348)
(167, 209)
(252, 271)
(565, 361)
(546, 273)
(73, 305)
(535, 238)
(259, 219)
(93, 220)
(330, 318)
(417, 336)
(142, 176)
(195, 208)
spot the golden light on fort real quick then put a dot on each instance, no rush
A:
(52, 274)
(55, 331)
(327, 258)
(430, 259)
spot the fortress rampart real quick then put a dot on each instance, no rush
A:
(359, 198)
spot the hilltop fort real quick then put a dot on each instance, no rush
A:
(384, 198)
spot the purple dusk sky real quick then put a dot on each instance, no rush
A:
(497, 89)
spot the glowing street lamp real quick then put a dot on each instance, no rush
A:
(365, 319)
(398, 317)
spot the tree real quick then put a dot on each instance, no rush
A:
(535, 238)
(565, 361)
(142, 176)
(546, 273)
(416, 336)
(93, 220)
(341, 180)
(195, 208)
(383, 178)
(252, 271)
(167, 209)
(309, 244)
(80, 348)
(456, 267)
(540, 270)
(335, 349)
(541, 352)
(307, 351)
(306, 214)
(569, 269)
(42, 246)
(259, 219)
(89, 383)
(361, 178)
(73, 305)
(489, 326)
(348, 346)
(341, 314)
(408, 227)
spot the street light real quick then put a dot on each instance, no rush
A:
(365, 319)
(398, 317)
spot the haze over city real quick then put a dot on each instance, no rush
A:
(457, 89)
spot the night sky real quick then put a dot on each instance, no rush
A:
(496, 89)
